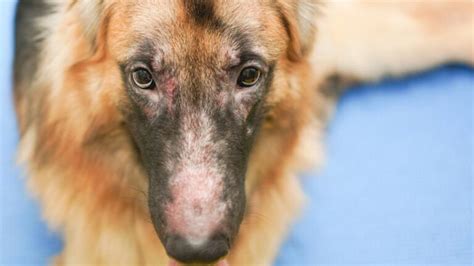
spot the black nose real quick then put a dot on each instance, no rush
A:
(208, 251)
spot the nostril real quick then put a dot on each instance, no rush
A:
(207, 251)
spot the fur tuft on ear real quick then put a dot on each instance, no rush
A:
(91, 15)
(299, 20)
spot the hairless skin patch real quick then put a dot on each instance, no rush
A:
(197, 206)
(194, 129)
(167, 84)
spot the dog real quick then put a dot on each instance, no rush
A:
(165, 132)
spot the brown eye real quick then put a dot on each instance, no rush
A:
(142, 78)
(248, 77)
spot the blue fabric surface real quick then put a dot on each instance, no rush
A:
(396, 188)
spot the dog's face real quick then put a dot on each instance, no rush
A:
(196, 76)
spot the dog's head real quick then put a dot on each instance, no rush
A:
(196, 76)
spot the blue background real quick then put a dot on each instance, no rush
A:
(396, 189)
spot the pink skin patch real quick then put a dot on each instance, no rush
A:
(167, 84)
(231, 57)
(169, 87)
(166, 87)
(197, 209)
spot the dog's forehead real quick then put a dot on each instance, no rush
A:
(201, 27)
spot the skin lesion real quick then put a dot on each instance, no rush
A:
(243, 110)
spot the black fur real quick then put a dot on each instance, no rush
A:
(202, 13)
(195, 94)
(27, 38)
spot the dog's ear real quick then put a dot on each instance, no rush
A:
(93, 16)
(299, 19)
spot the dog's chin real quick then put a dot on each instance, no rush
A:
(221, 262)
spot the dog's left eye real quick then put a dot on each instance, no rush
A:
(248, 77)
(142, 78)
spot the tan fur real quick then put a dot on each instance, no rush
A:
(392, 37)
(95, 195)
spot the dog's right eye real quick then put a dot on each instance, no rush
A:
(248, 77)
(142, 78)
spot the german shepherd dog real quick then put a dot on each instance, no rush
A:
(169, 131)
